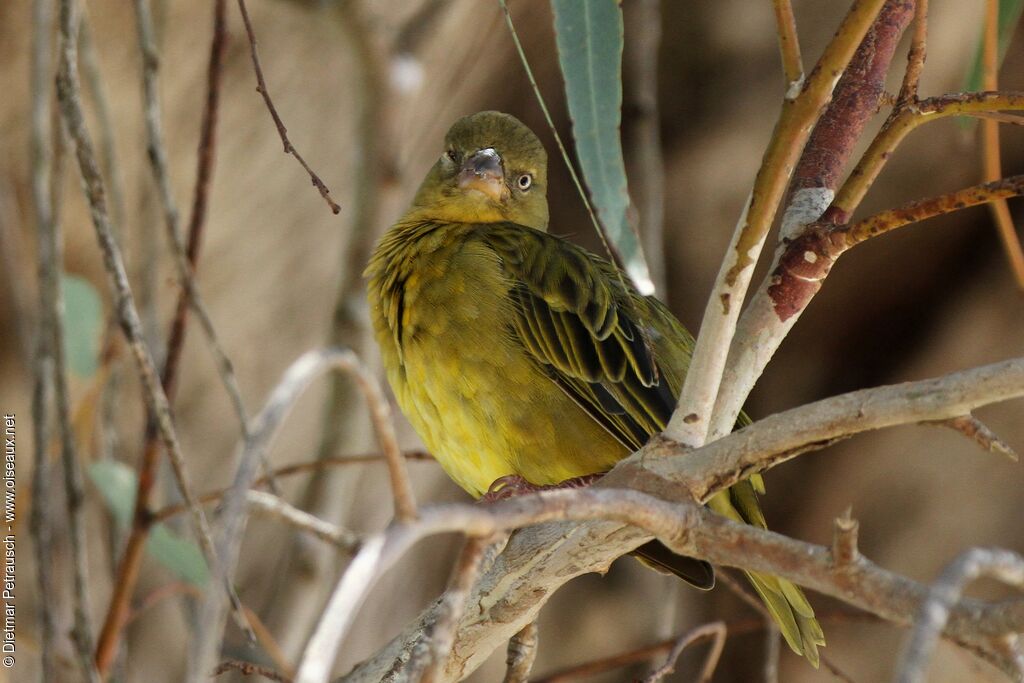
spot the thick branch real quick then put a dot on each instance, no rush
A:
(537, 561)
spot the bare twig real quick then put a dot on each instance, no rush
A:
(844, 540)
(789, 47)
(131, 559)
(691, 420)
(271, 505)
(453, 605)
(298, 468)
(522, 651)
(261, 88)
(264, 427)
(902, 122)
(42, 387)
(51, 301)
(978, 431)
(249, 669)
(917, 55)
(992, 166)
(185, 257)
(773, 650)
(716, 631)
(107, 147)
(934, 612)
(68, 95)
(772, 635)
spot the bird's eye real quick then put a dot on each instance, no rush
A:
(524, 181)
(452, 155)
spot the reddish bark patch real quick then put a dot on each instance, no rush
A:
(798, 277)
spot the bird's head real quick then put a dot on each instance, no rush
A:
(492, 168)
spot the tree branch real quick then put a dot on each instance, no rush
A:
(537, 561)
(691, 420)
(943, 596)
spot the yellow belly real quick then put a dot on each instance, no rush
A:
(480, 404)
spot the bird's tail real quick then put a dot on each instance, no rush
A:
(784, 599)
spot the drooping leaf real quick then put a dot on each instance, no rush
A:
(590, 39)
(1009, 15)
(82, 320)
(116, 483)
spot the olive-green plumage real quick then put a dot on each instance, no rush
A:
(515, 352)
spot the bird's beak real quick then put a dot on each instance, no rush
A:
(482, 171)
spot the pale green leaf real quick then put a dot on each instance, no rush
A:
(116, 483)
(83, 322)
(590, 39)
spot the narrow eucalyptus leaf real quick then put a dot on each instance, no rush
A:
(590, 41)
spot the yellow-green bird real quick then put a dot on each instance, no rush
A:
(514, 352)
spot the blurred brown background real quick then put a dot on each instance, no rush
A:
(926, 300)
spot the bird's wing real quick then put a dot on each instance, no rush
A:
(575, 317)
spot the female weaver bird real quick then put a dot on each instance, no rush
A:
(515, 353)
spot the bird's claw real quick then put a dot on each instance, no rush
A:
(512, 485)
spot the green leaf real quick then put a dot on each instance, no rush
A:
(181, 556)
(82, 320)
(589, 37)
(1009, 15)
(116, 483)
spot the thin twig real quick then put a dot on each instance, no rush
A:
(900, 124)
(934, 612)
(185, 257)
(261, 88)
(249, 669)
(691, 420)
(298, 468)
(265, 426)
(977, 431)
(131, 559)
(101, 104)
(789, 47)
(51, 249)
(733, 628)
(923, 209)
(69, 98)
(916, 57)
(522, 651)
(772, 635)
(42, 367)
(716, 631)
(844, 540)
(269, 504)
(991, 163)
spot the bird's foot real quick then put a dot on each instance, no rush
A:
(512, 485)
